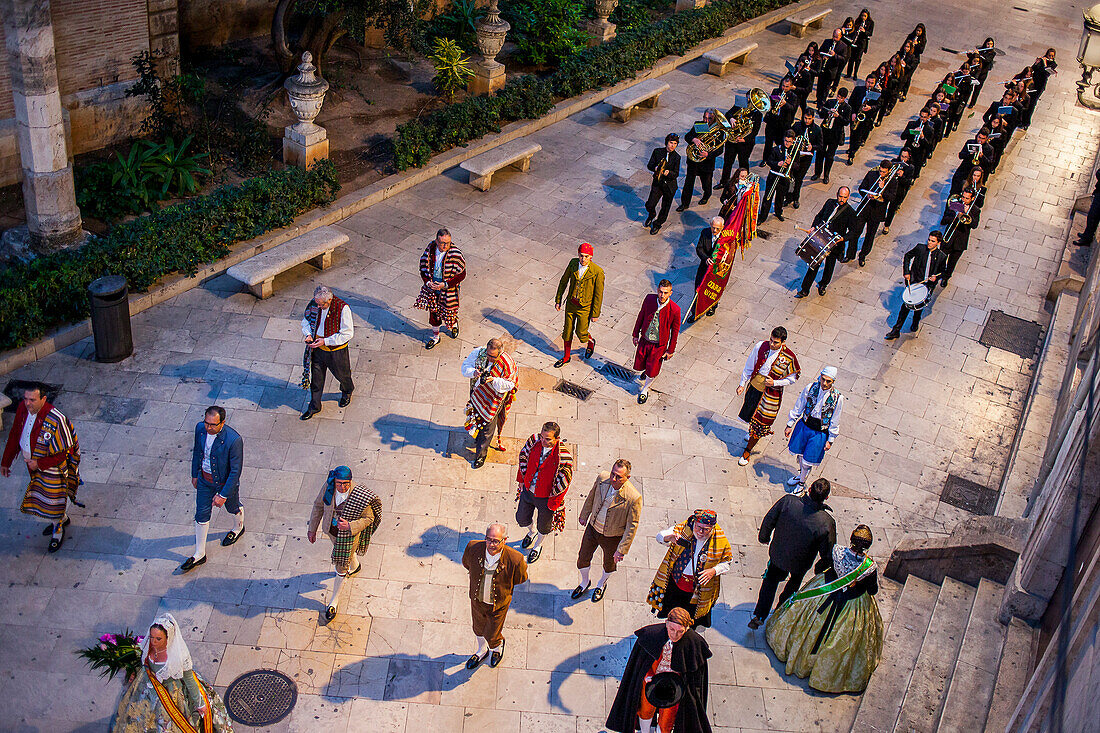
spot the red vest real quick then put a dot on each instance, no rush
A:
(549, 469)
(331, 326)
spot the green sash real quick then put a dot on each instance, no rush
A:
(840, 583)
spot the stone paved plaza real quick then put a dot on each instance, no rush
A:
(919, 409)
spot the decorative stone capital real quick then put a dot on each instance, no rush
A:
(306, 92)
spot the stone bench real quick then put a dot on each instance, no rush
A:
(316, 247)
(645, 94)
(482, 167)
(720, 58)
(810, 19)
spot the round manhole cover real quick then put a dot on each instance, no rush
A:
(260, 697)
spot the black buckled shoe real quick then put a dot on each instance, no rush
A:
(56, 542)
(330, 613)
(495, 657)
(802, 293)
(527, 540)
(475, 660)
(579, 591)
(590, 349)
(49, 527)
(597, 595)
(191, 563)
(232, 537)
(533, 556)
(308, 414)
(345, 399)
(562, 362)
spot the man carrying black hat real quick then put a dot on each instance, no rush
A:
(665, 680)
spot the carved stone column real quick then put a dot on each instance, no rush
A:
(601, 29)
(53, 219)
(304, 143)
(488, 72)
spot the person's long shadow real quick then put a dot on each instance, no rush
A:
(442, 540)
(521, 330)
(229, 381)
(731, 435)
(398, 431)
(404, 677)
(382, 317)
(621, 192)
(608, 660)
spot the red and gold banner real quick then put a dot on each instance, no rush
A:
(735, 237)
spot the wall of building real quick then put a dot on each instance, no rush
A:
(215, 22)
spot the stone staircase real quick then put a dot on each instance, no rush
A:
(947, 664)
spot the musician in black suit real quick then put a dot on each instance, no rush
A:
(936, 119)
(917, 138)
(705, 249)
(803, 78)
(864, 28)
(907, 176)
(703, 170)
(976, 152)
(1011, 116)
(778, 160)
(836, 116)
(841, 220)
(664, 163)
(865, 102)
(836, 53)
(806, 126)
(780, 117)
(738, 150)
(922, 264)
(957, 233)
(878, 189)
(1042, 70)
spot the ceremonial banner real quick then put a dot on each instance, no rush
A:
(735, 237)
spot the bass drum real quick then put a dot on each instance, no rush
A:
(816, 247)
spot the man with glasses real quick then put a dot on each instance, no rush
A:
(609, 518)
(495, 570)
(216, 463)
(813, 424)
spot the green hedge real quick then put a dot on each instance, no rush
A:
(529, 97)
(51, 291)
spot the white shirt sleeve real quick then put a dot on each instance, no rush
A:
(307, 327)
(502, 385)
(342, 336)
(799, 406)
(786, 381)
(468, 369)
(721, 568)
(834, 422)
(750, 362)
(664, 535)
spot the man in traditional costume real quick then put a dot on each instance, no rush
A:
(217, 460)
(495, 570)
(493, 379)
(803, 529)
(543, 476)
(831, 630)
(46, 439)
(813, 424)
(770, 367)
(582, 287)
(327, 328)
(731, 232)
(655, 333)
(609, 517)
(665, 681)
(442, 268)
(350, 514)
(698, 554)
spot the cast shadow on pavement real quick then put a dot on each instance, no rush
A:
(608, 660)
(522, 331)
(399, 431)
(732, 435)
(383, 317)
(228, 381)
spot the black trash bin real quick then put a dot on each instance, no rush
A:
(110, 298)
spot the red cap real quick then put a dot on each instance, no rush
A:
(586, 249)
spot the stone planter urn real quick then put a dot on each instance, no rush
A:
(488, 72)
(305, 142)
(600, 29)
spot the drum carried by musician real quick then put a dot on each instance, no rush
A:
(923, 266)
(832, 226)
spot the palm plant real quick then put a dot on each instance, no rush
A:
(452, 67)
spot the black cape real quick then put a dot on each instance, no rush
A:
(689, 658)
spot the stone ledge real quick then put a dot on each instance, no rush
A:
(379, 191)
(979, 547)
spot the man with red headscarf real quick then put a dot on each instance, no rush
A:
(582, 287)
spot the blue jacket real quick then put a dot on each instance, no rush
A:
(226, 458)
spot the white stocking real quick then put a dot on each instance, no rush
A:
(201, 529)
(584, 576)
(337, 586)
(603, 579)
(806, 468)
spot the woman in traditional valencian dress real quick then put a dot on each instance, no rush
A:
(167, 695)
(831, 630)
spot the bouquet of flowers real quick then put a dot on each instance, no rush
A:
(115, 653)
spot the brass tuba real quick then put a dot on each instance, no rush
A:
(741, 122)
(710, 140)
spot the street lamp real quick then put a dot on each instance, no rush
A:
(1089, 57)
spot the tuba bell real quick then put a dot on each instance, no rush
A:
(741, 123)
(710, 140)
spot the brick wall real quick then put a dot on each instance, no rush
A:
(93, 46)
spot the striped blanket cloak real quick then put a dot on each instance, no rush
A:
(767, 409)
(359, 500)
(444, 303)
(485, 401)
(705, 596)
(55, 447)
(563, 476)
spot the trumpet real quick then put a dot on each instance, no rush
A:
(962, 215)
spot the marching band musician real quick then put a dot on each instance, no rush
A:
(936, 120)
(999, 135)
(836, 54)
(907, 176)
(965, 81)
(803, 76)
(985, 55)
(864, 29)
(888, 85)
(957, 234)
(878, 190)
(836, 116)
(732, 192)
(1043, 68)
(738, 150)
(704, 170)
(780, 117)
(976, 152)
(955, 104)
(911, 60)
(705, 249)
(841, 220)
(808, 128)
(863, 113)
(1011, 116)
(917, 138)
(778, 161)
(943, 104)
(923, 264)
(664, 163)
